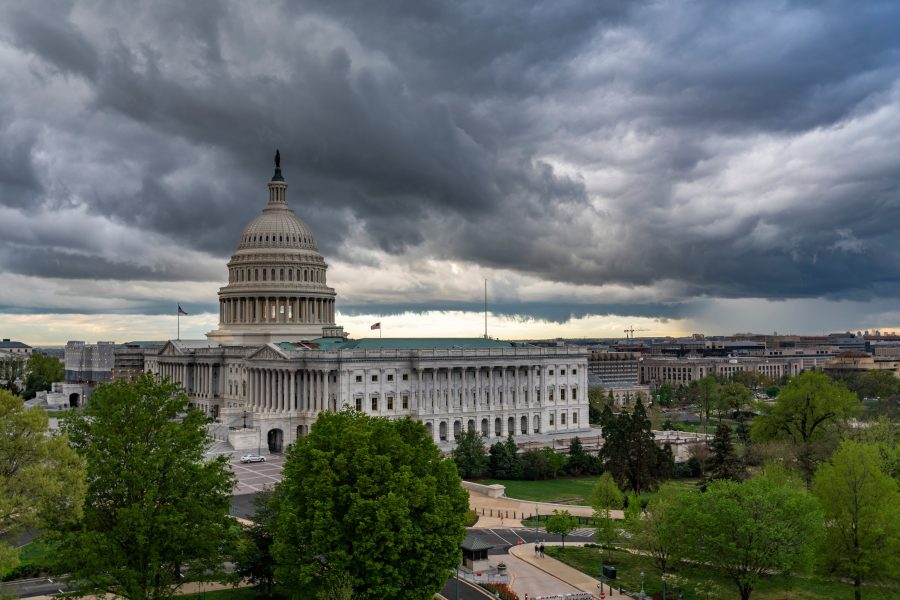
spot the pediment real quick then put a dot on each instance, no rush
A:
(170, 349)
(268, 352)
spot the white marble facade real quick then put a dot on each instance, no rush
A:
(267, 372)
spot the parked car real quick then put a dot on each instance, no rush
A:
(252, 458)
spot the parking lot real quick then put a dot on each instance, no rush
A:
(251, 477)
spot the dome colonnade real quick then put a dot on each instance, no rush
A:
(277, 288)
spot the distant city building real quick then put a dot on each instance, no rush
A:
(89, 363)
(277, 359)
(613, 368)
(682, 371)
(128, 359)
(860, 362)
(624, 396)
(8, 346)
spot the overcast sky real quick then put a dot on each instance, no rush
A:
(682, 166)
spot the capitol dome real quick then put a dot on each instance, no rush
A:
(276, 288)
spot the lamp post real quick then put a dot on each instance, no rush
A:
(245, 419)
(457, 581)
(642, 584)
(664, 586)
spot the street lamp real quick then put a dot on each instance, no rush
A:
(664, 586)
(642, 583)
(245, 419)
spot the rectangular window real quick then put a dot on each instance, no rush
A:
(405, 401)
(551, 371)
(374, 404)
(562, 395)
(374, 378)
(390, 377)
(359, 379)
(574, 372)
(574, 394)
(551, 418)
(406, 377)
(390, 400)
(359, 404)
(562, 371)
(574, 417)
(562, 418)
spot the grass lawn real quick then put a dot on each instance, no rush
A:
(630, 567)
(34, 558)
(244, 593)
(576, 490)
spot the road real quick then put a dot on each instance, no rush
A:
(467, 591)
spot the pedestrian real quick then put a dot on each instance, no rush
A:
(542, 550)
(537, 548)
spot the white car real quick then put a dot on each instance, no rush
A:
(251, 458)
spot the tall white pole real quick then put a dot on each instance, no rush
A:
(485, 309)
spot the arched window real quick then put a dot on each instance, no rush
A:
(281, 275)
(290, 274)
(264, 274)
(273, 274)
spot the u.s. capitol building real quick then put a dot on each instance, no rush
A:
(278, 359)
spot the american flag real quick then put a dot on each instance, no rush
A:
(376, 325)
(181, 311)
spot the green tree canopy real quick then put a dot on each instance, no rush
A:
(42, 372)
(629, 452)
(470, 456)
(748, 530)
(155, 503)
(807, 411)
(605, 497)
(253, 552)
(723, 462)
(659, 534)
(41, 478)
(862, 510)
(561, 524)
(734, 399)
(12, 369)
(372, 498)
(504, 460)
(707, 396)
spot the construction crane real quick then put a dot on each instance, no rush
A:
(629, 333)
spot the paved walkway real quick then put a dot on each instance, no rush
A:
(561, 571)
(513, 511)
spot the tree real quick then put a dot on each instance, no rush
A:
(156, 504)
(665, 394)
(41, 478)
(469, 455)
(580, 462)
(43, 371)
(876, 384)
(659, 534)
(629, 452)
(504, 460)
(12, 369)
(747, 530)
(372, 498)
(253, 554)
(561, 524)
(708, 395)
(723, 463)
(734, 399)
(862, 510)
(605, 497)
(806, 411)
(543, 463)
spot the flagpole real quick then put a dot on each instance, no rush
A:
(178, 317)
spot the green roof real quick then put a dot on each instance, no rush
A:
(335, 343)
(472, 543)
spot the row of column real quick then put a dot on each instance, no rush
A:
(521, 390)
(174, 372)
(256, 310)
(288, 390)
(202, 379)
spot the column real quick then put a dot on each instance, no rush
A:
(328, 394)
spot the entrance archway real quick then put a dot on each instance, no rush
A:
(497, 430)
(74, 400)
(537, 424)
(443, 431)
(470, 426)
(276, 440)
(484, 428)
(511, 425)
(524, 424)
(457, 429)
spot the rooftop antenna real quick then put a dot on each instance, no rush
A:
(485, 309)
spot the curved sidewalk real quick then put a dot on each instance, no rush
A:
(562, 571)
(513, 511)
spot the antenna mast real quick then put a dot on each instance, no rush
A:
(485, 309)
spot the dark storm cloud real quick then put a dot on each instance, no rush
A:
(554, 312)
(581, 142)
